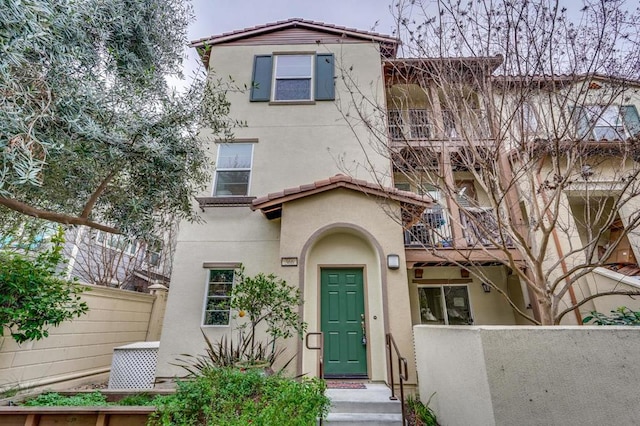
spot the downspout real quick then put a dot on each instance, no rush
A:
(556, 241)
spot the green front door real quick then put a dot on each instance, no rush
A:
(342, 319)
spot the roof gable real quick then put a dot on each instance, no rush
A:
(271, 204)
(297, 31)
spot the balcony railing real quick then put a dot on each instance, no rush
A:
(433, 230)
(420, 124)
(480, 227)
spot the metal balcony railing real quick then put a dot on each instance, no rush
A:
(480, 227)
(433, 230)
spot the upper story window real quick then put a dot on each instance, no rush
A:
(295, 77)
(292, 78)
(607, 122)
(116, 242)
(233, 169)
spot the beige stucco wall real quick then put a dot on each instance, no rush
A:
(234, 234)
(83, 347)
(293, 145)
(494, 375)
(603, 280)
(298, 143)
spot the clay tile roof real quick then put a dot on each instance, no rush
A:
(292, 22)
(271, 204)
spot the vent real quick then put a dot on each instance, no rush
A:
(134, 366)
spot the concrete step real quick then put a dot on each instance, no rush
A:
(370, 406)
(360, 419)
(390, 407)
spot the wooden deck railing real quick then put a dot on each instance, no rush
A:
(403, 372)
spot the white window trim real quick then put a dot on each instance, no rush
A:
(312, 77)
(593, 120)
(443, 301)
(250, 170)
(206, 297)
(131, 249)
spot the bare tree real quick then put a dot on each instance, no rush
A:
(114, 260)
(520, 118)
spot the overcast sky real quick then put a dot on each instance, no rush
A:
(220, 16)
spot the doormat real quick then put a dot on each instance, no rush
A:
(345, 385)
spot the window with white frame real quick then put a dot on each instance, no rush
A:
(218, 297)
(292, 78)
(611, 122)
(116, 242)
(446, 304)
(233, 169)
(301, 77)
(529, 118)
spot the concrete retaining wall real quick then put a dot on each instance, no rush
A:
(501, 375)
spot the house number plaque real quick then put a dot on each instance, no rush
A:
(288, 261)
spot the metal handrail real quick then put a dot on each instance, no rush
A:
(403, 372)
(320, 348)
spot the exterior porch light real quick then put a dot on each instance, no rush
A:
(393, 261)
(486, 287)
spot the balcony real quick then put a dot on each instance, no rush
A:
(480, 228)
(415, 125)
(433, 230)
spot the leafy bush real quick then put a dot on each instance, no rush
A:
(32, 295)
(620, 316)
(140, 399)
(233, 397)
(268, 299)
(96, 399)
(54, 399)
(420, 413)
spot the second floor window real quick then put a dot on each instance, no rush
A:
(233, 170)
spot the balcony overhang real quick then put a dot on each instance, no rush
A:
(483, 256)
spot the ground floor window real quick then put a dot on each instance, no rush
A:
(218, 297)
(446, 304)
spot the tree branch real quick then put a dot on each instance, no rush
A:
(594, 296)
(65, 219)
(96, 194)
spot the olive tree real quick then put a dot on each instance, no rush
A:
(90, 131)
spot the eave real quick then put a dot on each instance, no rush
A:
(271, 205)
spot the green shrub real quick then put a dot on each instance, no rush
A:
(141, 399)
(620, 316)
(54, 399)
(32, 295)
(232, 397)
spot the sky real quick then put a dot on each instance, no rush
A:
(220, 16)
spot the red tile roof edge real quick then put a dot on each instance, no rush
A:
(340, 181)
(232, 35)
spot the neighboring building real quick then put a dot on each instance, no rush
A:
(372, 252)
(112, 260)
